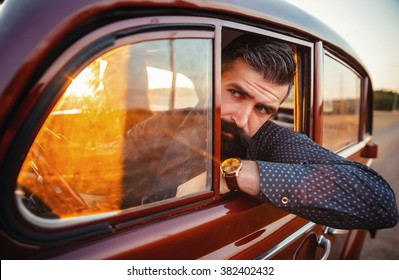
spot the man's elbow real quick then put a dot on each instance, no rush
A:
(392, 220)
(389, 218)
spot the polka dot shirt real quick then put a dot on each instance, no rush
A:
(312, 182)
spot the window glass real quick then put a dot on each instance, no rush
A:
(285, 114)
(341, 105)
(131, 127)
(288, 113)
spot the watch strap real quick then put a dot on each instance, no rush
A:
(231, 182)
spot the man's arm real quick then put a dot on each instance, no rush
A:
(303, 178)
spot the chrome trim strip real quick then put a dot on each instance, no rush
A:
(334, 231)
(264, 31)
(355, 148)
(286, 242)
(316, 104)
(59, 223)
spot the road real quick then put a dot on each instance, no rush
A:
(386, 135)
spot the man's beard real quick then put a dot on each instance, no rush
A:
(237, 144)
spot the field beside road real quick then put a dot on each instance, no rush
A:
(386, 135)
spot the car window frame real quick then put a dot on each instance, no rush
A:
(149, 213)
(73, 60)
(303, 86)
(360, 95)
(355, 151)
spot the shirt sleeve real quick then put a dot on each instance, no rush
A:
(312, 182)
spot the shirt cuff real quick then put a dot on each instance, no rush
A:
(281, 185)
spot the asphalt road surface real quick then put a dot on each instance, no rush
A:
(386, 135)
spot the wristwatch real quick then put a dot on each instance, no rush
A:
(230, 169)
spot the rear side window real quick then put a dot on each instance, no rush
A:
(342, 91)
(99, 149)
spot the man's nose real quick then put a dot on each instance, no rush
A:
(241, 117)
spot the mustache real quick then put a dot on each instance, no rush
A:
(238, 133)
(236, 144)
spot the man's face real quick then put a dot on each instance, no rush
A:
(248, 100)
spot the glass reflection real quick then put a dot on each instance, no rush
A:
(341, 105)
(81, 163)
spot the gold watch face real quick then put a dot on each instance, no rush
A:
(231, 165)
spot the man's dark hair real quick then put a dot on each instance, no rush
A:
(274, 59)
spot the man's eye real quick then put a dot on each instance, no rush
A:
(235, 93)
(261, 109)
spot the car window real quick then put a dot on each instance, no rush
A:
(115, 138)
(285, 113)
(341, 108)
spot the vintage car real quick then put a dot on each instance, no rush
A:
(77, 75)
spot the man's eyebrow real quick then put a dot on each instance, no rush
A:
(241, 89)
(269, 109)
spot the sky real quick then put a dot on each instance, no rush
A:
(371, 27)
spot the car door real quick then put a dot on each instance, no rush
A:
(93, 171)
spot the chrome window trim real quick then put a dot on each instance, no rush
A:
(59, 223)
(286, 242)
(352, 149)
(369, 162)
(249, 28)
(317, 95)
(334, 231)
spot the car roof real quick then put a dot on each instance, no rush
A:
(28, 26)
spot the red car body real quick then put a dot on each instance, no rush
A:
(37, 41)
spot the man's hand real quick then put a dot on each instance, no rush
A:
(196, 184)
